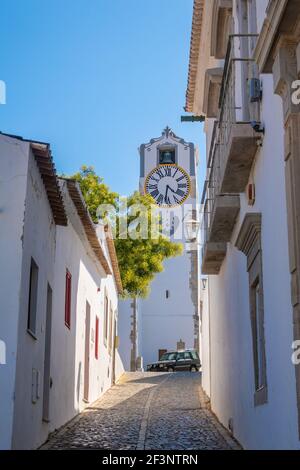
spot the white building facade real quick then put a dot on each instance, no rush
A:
(169, 318)
(59, 298)
(249, 320)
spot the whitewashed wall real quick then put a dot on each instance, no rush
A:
(13, 182)
(39, 237)
(273, 425)
(68, 347)
(28, 231)
(125, 330)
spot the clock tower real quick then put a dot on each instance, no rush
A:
(169, 318)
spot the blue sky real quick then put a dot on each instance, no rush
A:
(96, 78)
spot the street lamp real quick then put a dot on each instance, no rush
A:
(192, 229)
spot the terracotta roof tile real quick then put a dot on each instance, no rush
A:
(194, 53)
(88, 224)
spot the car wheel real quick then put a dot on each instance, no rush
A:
(170, 369)
(194, 369)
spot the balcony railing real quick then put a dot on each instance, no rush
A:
(233, 143)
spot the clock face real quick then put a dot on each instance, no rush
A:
(168, 184)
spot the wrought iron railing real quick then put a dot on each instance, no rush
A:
(235, 107)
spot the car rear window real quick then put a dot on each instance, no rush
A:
(194, 355)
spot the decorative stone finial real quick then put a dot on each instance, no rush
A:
(167, 131)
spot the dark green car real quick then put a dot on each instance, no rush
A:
(173, 361)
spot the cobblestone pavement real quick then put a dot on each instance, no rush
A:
(147, 411)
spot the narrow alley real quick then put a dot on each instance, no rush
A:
(147, 411)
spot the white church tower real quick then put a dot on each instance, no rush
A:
(169, 318)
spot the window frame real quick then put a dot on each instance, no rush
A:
(249, 242)
(33, 298)
(105, 320)
(110, 330)
(97, 337)
(256, 304)
(68, 299)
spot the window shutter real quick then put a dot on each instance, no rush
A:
(68, 299)
(97, 338)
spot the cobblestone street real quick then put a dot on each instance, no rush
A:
(146, 411)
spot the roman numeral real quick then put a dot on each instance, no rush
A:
(154, 179)
(176, 200)
(160, 173)
(180, 193)
(180, 179)
(167, 200)
(160, 199)
(152, 186)
(167, 171)
(182, 185)
(155, 193)
(175, 172)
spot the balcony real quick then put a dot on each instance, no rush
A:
(213, 255)
(236, 141)
(219, 217)
(233, 148)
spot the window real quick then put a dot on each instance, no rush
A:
(249, 242)
(258, 333)
(32, 300)
(97, 338)
(105, 326)
(110, 339)
(194, 355)
(169, 356)
(187, 355)
(180, 356)
(68, 294)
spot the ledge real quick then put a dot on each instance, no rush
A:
(225, 212)
(240, 151)
(212, 88)
(220, 28)
(212, 257)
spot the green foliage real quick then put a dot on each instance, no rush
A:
(139, 258)
(94, 191)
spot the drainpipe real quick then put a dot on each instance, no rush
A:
(209, 335)
(133, 337)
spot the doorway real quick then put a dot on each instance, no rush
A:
(47, 357)
(87, 352)
(113, 376)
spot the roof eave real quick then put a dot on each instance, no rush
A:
(87, 223)
(194, 54)
(113, 258)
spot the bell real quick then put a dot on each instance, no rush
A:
(166, 157)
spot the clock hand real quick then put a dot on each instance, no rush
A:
(170, 189)
(167, 200)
